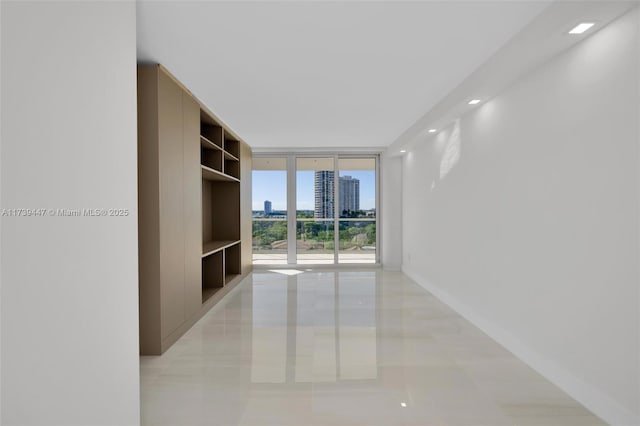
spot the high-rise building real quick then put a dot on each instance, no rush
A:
(324, 194)
(267, 208)
(349, 194)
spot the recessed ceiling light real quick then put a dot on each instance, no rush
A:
(403, 151)
(432, 130)
(580, 28)
(474, 101)
(403, 404)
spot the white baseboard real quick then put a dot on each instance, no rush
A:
(592, 398)
(392, 267)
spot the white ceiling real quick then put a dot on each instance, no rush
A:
(318, 75)
(545, 37)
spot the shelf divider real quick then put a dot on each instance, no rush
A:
(211, 247)
(230, 156)
(207, 144)
(211, 174)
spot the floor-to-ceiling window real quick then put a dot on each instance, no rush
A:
(269, 205)
(315, 209)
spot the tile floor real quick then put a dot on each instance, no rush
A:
(345, 348)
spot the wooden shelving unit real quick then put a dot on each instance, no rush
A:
(220, 206)
(194, 239)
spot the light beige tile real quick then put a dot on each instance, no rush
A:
(344, 348)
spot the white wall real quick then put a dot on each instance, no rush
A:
(1, 116)
(69, 284)
(391, 211)
(523, 215)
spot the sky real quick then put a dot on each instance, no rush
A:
(272, 185)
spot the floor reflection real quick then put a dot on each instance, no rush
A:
(343, 348)
(319, 327)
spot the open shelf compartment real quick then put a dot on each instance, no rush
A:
(220, 211)
(211, 132)
(231, 145)
(232, 168)
(231, 263)
(212, 274)
(211, 158)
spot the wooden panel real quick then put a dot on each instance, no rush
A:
(192, 204)
(148, 207)
(172, 218)
(207, 221)
(245, 208)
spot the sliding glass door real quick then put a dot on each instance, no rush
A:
(315, 210)
(357, 210)
(330, 216)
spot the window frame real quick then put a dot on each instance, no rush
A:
(291, 158)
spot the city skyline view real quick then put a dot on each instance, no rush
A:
(271, 185)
